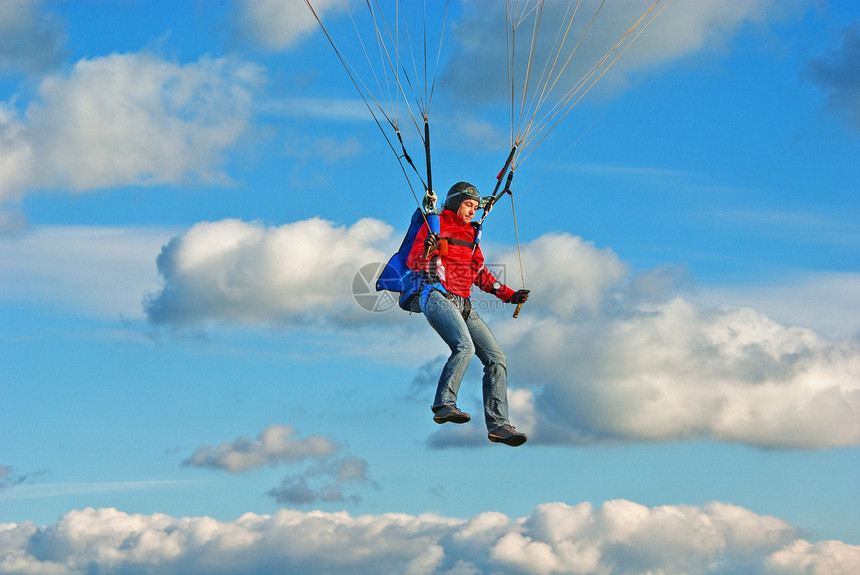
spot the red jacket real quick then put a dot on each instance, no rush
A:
(461, 266)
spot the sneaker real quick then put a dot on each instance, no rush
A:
(508, 435)
(450, 413)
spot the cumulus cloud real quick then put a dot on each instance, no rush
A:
(274, 445)
(599, 355)
(324, 480)
(275, 25)
(31, 40)
(246, 272)
(605, 357)
(679, 372)
(570, 277)
(126, 119)
(621, 363)
(620, 537)
(838, 72)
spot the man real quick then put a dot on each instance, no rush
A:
(452, 263)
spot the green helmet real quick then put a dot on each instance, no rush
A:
(458, 193)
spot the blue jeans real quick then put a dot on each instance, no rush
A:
(467, 337)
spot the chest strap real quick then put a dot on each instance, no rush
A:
(458, 242)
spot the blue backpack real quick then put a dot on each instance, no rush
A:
(397, 277)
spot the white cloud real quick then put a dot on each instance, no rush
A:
(802, 557)
(323, 480)
(674, 371)
(610, 357)
(126, 119)
(89, 270)
(275, 444)
(276, 25)
(620, 537)
(601, 356)
(16, 157)
(237, 271)
(569, 277)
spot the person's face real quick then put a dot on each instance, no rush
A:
(467, 210)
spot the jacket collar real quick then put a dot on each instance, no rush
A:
(451, 216)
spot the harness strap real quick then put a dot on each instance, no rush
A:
(459, 242)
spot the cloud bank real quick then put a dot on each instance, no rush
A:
(599, 355)
(618, 538)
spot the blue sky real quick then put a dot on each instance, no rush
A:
(188, 190)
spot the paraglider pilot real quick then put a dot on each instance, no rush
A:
(453, 262)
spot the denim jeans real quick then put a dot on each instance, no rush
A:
(467, 337)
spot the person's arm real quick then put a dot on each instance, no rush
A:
(487, 282)
(417, 260)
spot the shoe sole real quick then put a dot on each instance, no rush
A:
(452, 419)
(513, 441)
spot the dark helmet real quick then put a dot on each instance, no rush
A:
(458, 193)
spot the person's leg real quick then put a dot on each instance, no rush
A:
(445, 317)
(495, 371)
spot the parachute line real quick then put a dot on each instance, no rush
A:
(537, 115)
(541, 89)
(366, 97)
(395, 75)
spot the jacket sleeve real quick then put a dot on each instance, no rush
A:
(416, 260)
(485, 279)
